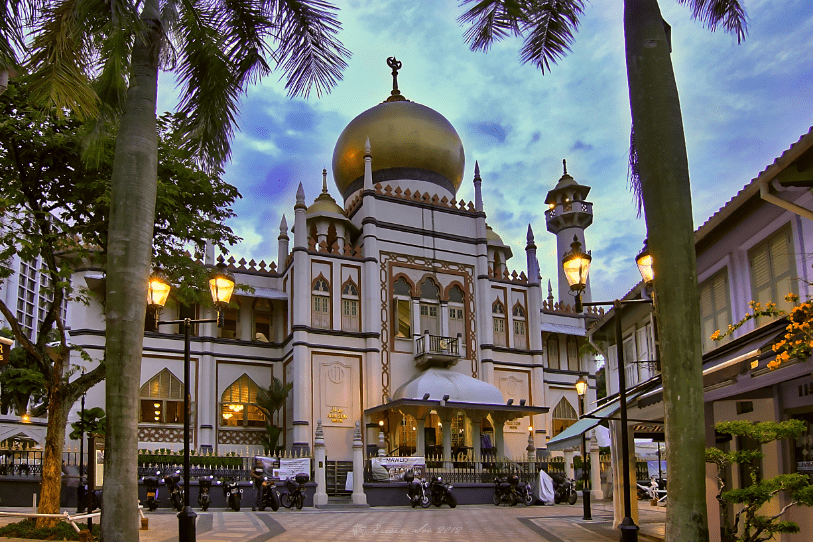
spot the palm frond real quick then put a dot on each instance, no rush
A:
(490, 21)
(728, 13)
(634, 174)
(549, 27)
(15, 15)
(308, 50)
(60, 62)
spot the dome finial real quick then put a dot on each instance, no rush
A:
(395, 95)
(564, 165)
(324, 180)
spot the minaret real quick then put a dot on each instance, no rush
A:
(282, 246)
(478, 193)
(568, 215)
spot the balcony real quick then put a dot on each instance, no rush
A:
(434, 350)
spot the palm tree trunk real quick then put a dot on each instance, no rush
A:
(51, 486)
(129, 247)
(664, 173)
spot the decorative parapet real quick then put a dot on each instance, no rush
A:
(251, 266)
(407, 194)
(550, 306)
(508, 277)
(348, 250)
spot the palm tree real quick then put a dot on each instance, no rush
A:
(270, 401)
(101, 58)
(661, 165)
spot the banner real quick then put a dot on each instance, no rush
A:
(292, 467)
(396, 467)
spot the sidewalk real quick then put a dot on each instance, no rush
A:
(560, 523)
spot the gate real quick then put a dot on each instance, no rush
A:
(336, 477)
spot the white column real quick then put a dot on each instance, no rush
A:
(447, 441)
(499, 437)
(358, 498)
(319, 456)
(618, 475)
(420, 438)
(569, 463)
(475, 439)
(595, 468)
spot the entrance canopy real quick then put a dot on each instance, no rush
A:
(571, 437)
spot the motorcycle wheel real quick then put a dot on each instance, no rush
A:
(152, 505)
(300, 501)
(413, 502)
(437, 500)
(571, 498)
(274, 502)
(286, 500)
(234, 503)
(177, 502)
(451, 500)
(496, 499)
(557, 498)
(425, 503)
(512, 499)
(529, 498)
(642, 494)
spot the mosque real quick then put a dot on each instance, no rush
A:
(396, 308)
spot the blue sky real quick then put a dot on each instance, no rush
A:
(742, 106)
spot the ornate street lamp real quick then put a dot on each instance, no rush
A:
(581, 389)
(644, 262)
(221, 284)
(576, 264)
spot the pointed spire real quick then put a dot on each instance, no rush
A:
(550, 293)
(283, 226)
(476, 169)
(530, 236)
(300, 198)
(564, 165)
(324, 180)
(478, 192)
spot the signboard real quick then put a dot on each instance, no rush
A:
(292, 467)
(98, 481)
(805, 467)
(396, 467)
(5, 350)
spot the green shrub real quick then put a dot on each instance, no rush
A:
(27, 528)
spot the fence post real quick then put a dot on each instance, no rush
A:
(320, 497)
(595, 469)
(359, 498)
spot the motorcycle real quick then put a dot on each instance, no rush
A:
(525, 494)
(441, 492)
(95, 499)
(564, 489)
(505, 491)
(152, 490)
(204, 485)
(233, 494)
(417, 491)
(295, 495)
(175, 490)
(269, 495)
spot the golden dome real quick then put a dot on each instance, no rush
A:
(407, 141)
(324, 202)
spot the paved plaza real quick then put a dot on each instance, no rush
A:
(560, 523)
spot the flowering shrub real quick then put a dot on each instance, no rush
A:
(797, 343)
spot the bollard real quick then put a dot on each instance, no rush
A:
(145, 524)
(85, 536)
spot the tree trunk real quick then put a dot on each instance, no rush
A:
(51, 486)
(664, 173)
(132, 211)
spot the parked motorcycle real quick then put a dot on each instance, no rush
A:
(233, 494)
(152, 490)
(417, 490)
(295, 495)
(96, 499)
(525, 494)
(269, 495)
(505, 491)
(173, 482)
(441, 492)
(564, 489)
(204, 485)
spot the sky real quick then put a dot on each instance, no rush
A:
(742, 106)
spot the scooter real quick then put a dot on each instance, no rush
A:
(525, 494)
(269, 495)
(441, 492)
(564, 489)
(204, 484)
(505, 491)
(152, 490)
(233, 494)
(417, 491)
(295, 495)
(175, 490)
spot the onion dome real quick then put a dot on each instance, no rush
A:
(408, 141)
(494, 240)
(324, 202)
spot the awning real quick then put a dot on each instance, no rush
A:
(268, 293)
(572, 436)
(564, 329)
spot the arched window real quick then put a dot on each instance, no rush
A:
(350, 306)
(553, 351)
(238, 405)
(320, 316)
(429, 307)
(402, 309)
(520, 327)
(498, 316)
(262, 320)
(572, 353)
(456, 313)
(564, 415)
(162, 399)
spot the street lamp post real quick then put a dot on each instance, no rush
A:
(221, 284)
(576, 265)
(581, 389)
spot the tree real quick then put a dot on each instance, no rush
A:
(55, 208)
(270, 401)
(748, 524)
(216, 49)
(659, 163)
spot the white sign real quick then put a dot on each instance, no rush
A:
(292, 467)
(396, 467)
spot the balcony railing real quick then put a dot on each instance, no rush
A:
(435, 349)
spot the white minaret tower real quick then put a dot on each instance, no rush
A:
(567, 216)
